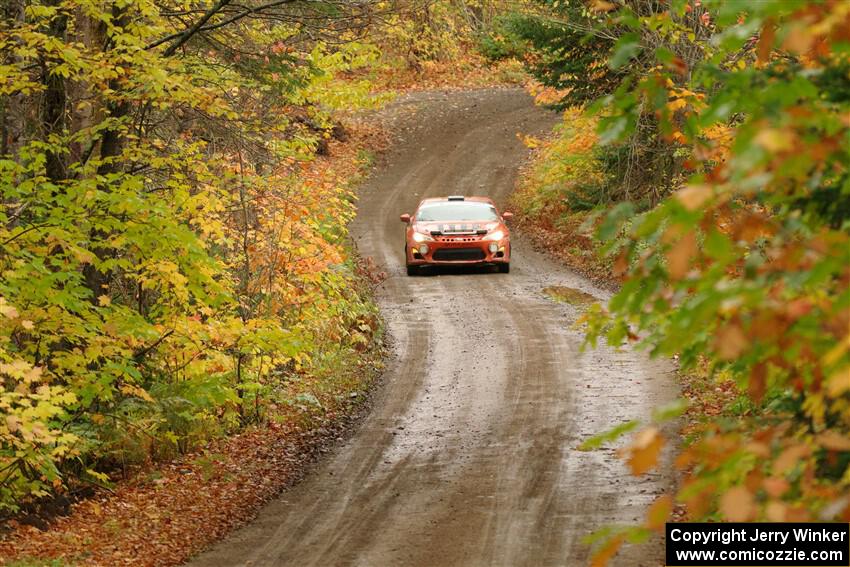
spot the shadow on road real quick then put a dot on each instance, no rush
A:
(431, 271)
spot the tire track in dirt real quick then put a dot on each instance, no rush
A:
(468, 456)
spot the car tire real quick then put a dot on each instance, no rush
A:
(412, 270)
(504, 268)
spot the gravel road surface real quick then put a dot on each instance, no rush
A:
(468, 457)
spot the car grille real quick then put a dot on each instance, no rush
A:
(458, 238)
(458, 254)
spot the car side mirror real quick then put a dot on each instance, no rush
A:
(507, 216)
(405, 217)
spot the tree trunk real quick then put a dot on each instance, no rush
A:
(53, 103)
(111, 145)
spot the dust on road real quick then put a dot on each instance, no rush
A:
(469, 456)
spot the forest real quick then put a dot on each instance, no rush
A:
(706, 160)
(178, 178)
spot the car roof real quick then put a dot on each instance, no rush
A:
(474, 199)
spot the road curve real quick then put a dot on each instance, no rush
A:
(468, 457)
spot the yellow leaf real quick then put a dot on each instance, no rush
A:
(132, 390)
(677, 104)
(530, 142)
(28, 325)
(13, 423)
(8, 310)
(737, 504)
(104, 300)
(835, 353)
(773, 140)
(839, 382)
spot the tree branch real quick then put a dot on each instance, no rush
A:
(182, 37)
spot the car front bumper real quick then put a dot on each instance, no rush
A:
(460, 251)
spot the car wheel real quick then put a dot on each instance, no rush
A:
(412, 270)
(504, 268)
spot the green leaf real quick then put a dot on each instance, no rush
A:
(627, 47)
(608, 436)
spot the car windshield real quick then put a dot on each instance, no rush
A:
(456, 211)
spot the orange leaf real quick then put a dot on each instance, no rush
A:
(737, 504)
(607, 551)
(799, 39)
(693, 197)
(659, 512)
(757, 383)
(644, 451)
(602, 6)
(679, 256)
(758, 449)
(776, 511)
(775, 486)
(621, 264)
(790, 457)
(766, 38)
(834, 441)
(678, 65)
(730, 341)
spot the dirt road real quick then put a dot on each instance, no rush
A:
(468, 457)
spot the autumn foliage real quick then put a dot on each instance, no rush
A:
(734, 254)
(170, 256)
(177, 180)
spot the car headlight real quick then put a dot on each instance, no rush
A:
(422, 237)
(495, 235)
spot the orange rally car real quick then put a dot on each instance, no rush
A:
(457, 230)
